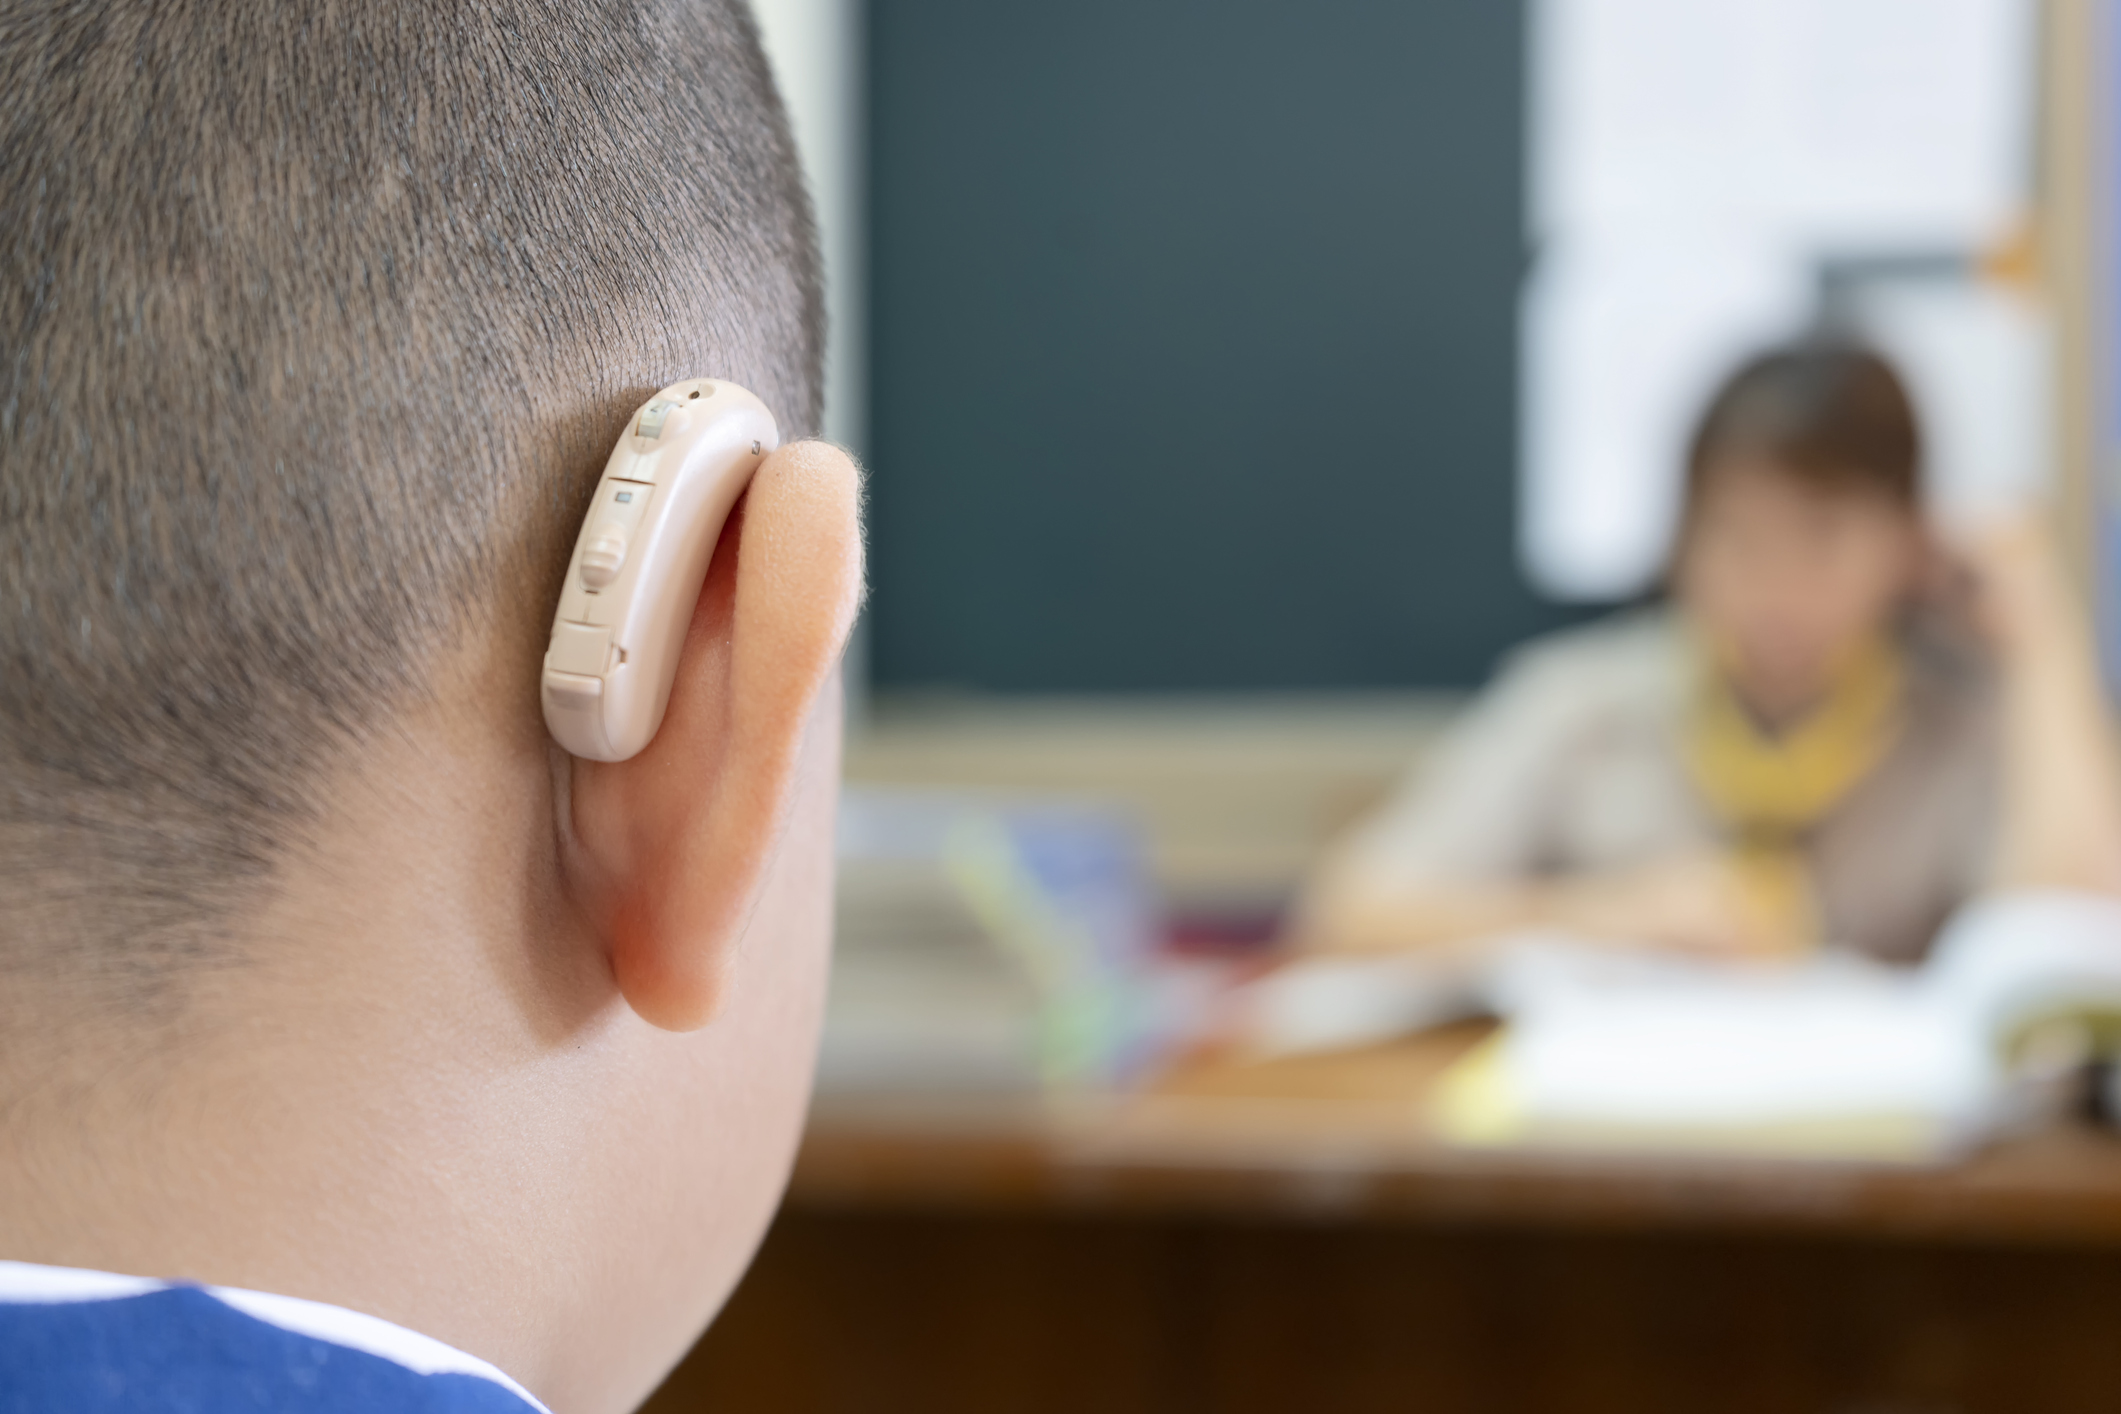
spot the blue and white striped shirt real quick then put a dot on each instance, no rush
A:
(94, 1343)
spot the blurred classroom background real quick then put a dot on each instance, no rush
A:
(1240, 383)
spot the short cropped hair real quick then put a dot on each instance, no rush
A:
(1834, 415)
(317, 322)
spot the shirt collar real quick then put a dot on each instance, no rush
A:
(28, 1282)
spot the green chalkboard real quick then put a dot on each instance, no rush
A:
(1193, 343)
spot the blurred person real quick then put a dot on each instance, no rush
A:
(358, 1045)
(1831, 734)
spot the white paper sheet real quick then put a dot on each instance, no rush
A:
(1977, 361)
(1623, 342)
(1854, 124)
(1692, 163)
(1682, 1046)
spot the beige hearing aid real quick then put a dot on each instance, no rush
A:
(641, 559)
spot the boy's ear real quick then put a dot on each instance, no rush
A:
(665, 854)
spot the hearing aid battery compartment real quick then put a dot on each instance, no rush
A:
(580, 649)
(572, 691)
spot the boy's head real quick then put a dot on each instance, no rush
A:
(320, 968)
(1801, 534)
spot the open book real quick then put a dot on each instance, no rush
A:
(1832, 1058)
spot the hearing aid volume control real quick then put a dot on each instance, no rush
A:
(614, 520)
(604, 558)
(640, 559)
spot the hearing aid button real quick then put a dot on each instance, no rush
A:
(661, 421)
(572, 690)
(621, 504)
(579, 648)
(604, 557)
(653, 417)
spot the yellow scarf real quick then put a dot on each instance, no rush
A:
(1769, 790)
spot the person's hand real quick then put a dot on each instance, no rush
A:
(1695, 904)
(2005, 577)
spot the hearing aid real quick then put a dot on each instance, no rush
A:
(638, 565)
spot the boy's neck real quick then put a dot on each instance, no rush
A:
(325, 1118)
(423, 1095)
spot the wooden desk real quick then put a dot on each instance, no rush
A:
(1288, 1236)
(1346, 1136)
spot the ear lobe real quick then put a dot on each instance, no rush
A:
(669, 850)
